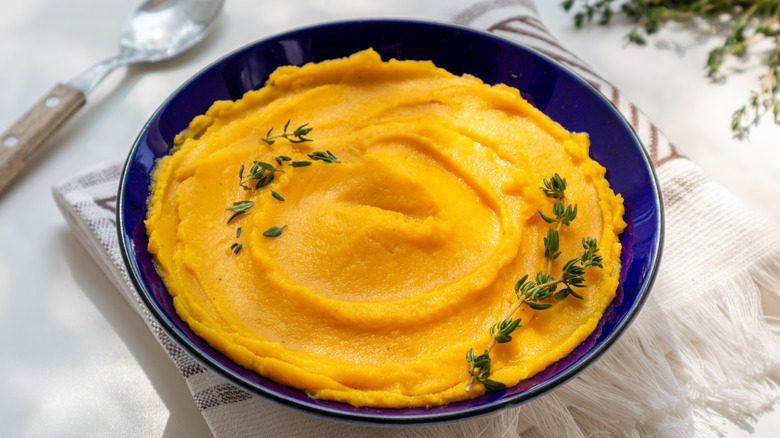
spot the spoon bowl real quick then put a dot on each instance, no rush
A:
(161, 29)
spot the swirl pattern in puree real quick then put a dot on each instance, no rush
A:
(394, 261)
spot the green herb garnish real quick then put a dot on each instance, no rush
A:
(260, 171)
(297, 136)
(261, 174)
(276, 195)
(536, 293)
(324, 156)
(239, 207)
(236, 247)
(274, 231)
(282, 158)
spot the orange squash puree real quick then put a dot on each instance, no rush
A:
(396, 260)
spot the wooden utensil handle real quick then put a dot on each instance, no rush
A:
(23, 139)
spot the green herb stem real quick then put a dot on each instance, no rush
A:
(296, 136)
(535, 293)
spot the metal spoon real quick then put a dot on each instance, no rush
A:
(157, 30)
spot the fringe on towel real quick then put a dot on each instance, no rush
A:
(666, 394)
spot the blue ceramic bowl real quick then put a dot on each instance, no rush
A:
(556, 91)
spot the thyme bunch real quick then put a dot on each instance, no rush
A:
(537, 293)
(754, 23)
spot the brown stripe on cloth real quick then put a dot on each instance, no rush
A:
(680, 186)
(634, 115)
(219, 395)
(186, 365)
(656, 157)
(108, 204)
(184, 362)
(480, 8)
(658, 154)
(515, 25)
(532, 22)
(109, 173)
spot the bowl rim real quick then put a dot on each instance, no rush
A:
(372, 418)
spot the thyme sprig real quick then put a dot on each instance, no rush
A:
(753, 24)
(296, 136)
(564, 213)
(537, 293)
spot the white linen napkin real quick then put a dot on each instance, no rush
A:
(700, 352)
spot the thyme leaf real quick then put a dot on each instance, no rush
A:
(282, 158)
(239, 207)
(480, 370)
(504, 328)
(264, 173)
(236, 247)
(274, 231)
(276, 195)
(326, 156)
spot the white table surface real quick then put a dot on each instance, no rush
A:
(75, 360)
